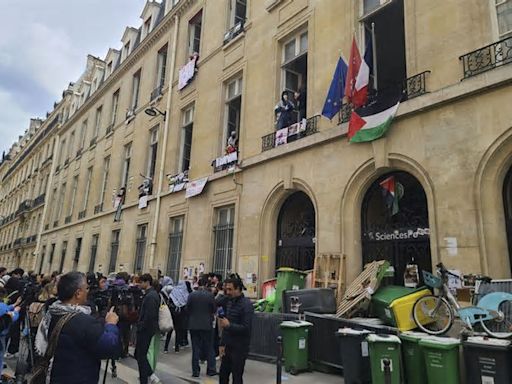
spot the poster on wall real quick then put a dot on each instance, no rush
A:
(248, 270)
(411, 276)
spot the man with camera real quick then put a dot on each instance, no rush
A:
(236, 331)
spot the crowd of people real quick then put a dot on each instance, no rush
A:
(62, 326)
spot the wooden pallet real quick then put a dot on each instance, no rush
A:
(330, 272)
(359, 292)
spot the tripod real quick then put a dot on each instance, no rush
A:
(25, 360)
(113, 369)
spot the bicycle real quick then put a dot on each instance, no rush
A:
(434, 314)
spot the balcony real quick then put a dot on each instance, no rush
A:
(130, 114)
(228, 161)
(57, 169)
(98, 208)
(79, 152)
(81, 214)
(17, 242)
(55, 223)
(39, 200)
(47, 161)
(92, 142)
(67, 220)
(66, 162)
(24, 206)
(489, 57)
(30, 239)
(156, 94)
(46, 227)
(286, 135)
(233, 32)
(110, 129)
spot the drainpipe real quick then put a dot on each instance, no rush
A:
(164, 151)
(47, 201)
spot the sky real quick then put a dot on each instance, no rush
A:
(44, 46)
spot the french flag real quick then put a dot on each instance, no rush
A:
(358, 76)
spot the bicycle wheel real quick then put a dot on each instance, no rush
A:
(432, 315)
(500, 327)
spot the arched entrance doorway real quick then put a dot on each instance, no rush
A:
(507, 202)
(395, 226)
(296, 233)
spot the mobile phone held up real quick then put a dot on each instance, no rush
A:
(220, 313)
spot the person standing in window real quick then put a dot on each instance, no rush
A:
(284, 111)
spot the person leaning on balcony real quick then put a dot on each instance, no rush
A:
(284, 111)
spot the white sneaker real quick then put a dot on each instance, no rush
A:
(153, 379)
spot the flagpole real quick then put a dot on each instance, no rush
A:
(374, 54)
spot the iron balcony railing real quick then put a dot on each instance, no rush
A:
(39, 200)
(157, 92)
(233, 32)
(295, 132)
(225, 162)
(67, 220)
(110, 129)
(24, 206)
(81, 214)
(66, 162)
(486, 58)
(92, 142)
(17, 242)
(55, 223)
(79, 152)
(46, 227)
(411, 87)
(98, 208)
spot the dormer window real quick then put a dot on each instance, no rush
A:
(147, 26)
(109, 68)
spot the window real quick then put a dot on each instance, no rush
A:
(389, 29)
(50, 259)
(87, 189)
(175, 247)
(41, 261)
(140, 249)
(161, 67)
(295, 70)
(74, 191)
(71, 145)
(223, 240)
(233, 110)
(186, 138)
(94, 252)
(147, 26)
(83, 134)
(126, 49)
(63, 255)
(78, 248)
(61, 160)
(109, 68)
(106, 169)
(135, 90)
(504, 14)
(126, 164)
(115, 106)
(372, 5)
(153, 149)
(194, 33)
(237, 12)
(98, 121)
(114, 250)
(60, 204)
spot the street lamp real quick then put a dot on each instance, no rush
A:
(153, 111)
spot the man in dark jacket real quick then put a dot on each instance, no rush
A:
(15, 287)
(147, 327)
(201, 308)
(236, 332)
(84, 341)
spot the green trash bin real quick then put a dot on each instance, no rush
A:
(441, 359)
(287, 278)
(414, 363)
(385, 359)
(295, 345)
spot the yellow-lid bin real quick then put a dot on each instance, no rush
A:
(402, 309)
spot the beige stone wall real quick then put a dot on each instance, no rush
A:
(452, 140)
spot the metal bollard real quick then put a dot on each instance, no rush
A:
(387, 371)
(279, 361)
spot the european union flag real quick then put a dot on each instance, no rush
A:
(336, 91)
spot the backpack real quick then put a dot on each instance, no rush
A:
(164, 317)
(35, 313)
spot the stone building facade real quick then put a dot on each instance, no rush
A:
(150, 123)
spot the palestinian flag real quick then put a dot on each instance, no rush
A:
(391, 192)
(372, 122)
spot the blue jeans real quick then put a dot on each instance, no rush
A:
(202, 345)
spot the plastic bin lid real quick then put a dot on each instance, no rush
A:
(296, 324)
(352, 332)
(440, 342)
(287, 269)
(367, 320)
(479, 340)
(414, 336)
(372, 338)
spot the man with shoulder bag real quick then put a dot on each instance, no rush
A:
(73, 340)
